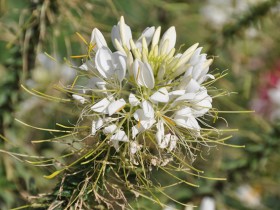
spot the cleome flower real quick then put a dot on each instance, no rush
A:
(145, 92)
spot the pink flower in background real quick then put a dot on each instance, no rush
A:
(267, 102)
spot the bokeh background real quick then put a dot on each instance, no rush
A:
(243, 36)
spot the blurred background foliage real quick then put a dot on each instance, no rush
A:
(242, 35)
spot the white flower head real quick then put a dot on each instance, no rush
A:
(144, 90)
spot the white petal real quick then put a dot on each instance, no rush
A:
(142, 126)
(195, 57)
(187, 54)
(138, 115)
(176, 93)
(129, 64)
(185, 97)
(148, 109)
(96, 125)
(188, 122)
(201, 107)
(160, 96)
(115, 106)
(116, 145)
(192, 87)
(143, 74)
(84, 67)
(148, 76)
(148, 34)
(136, 68)
(134, 147)
(122, 33)
(98, 39)
(173, 142)
(93, 128)
(160, 132)
(165, 141)
(184, 112)
(99, 123)
(101, 106)
(81, 99)
(110, 129)
(169, 35)
(156, 37)
(161, 72)
(146, 124)
(133, 100)
(135, 130)
(103, 61)
(120, 65)
(119, 136)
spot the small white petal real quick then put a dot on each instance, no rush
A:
(146, 124)
(161, 72)
(134, 147)
(84, 67)
(96, 125)
(176, 93)
(143, 74)
(136, 68)
(195, 57)
(110, 129)
(120, 64)
(147, 34)
(99, 123)
(135, 131)
(103, 61)
(81, 99)
(134, 49)
(185, 97)
(156, 36)
(147, 109)
(101, 106)
(116, 145)
(93, 128)
(192, 86)
(138, 114)
(118, 46)
(163, 49)
(169, 35)
(133, 100)
(165, 141)
(119, 136)
(173, 142)
(187, 122)
(129, 64)
(160, 132)
(142, 126)
(98, 39)
(148, 76)
(184, 112)
(160, 96)
(187, 54)
(122, 33)
(115, 106)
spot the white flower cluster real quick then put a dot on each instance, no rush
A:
(145, 90)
